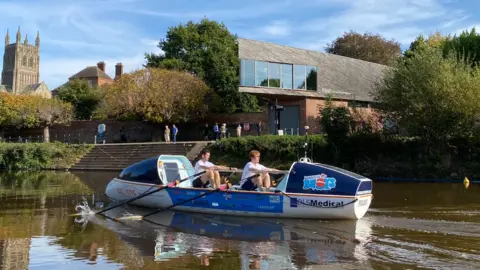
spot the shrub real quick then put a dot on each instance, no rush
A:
(36, 156)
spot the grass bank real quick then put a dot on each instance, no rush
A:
(38, 156)
(370, 155)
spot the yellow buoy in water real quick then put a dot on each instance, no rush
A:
(466, 182)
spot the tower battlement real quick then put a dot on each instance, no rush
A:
(21, 63)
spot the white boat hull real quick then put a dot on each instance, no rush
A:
(244, 203)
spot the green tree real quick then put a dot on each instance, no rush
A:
(467, 45)
(208, 50)
(435, 41)
(84, 98)
(335, 121)
(367, 47)
(432, 96)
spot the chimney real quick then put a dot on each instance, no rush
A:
(118, 70)
(101, 65)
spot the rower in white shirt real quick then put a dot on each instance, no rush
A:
(254, 167)
(212, 176)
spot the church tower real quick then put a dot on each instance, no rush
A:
(21, 63)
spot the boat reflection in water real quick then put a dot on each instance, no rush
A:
(267, 243)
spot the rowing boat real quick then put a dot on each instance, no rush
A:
(308, 190)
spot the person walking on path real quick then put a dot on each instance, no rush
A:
(216, 131)
(167, 134)
(239, 131)
(174, 133)
(259, 128)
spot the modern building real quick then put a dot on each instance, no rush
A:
(21, 67)
(300, 80)
(95, 75)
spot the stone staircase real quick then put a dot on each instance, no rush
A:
(116, 157)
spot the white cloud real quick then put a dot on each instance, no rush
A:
(402, 20)
(277, 29)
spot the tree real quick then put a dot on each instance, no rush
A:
(208, 50)
(155, 95)
(467, 45)
(30, 111)
(432, 96)
(84, 98)
(434, 41)
(367, 47)
(335, 121)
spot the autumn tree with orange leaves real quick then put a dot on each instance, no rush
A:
(155, 95)
(30, 111)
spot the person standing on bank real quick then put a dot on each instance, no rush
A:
(167, 134)
(223, 130)
(259, 128)
(239, 130)
(174, 133)
(254, 167)
(212, 176)
(216, 131)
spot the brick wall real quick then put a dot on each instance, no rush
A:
(102, 81)
(138, 131)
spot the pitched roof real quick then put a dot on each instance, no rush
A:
(90, 72)
(343, 77)
(31, 88)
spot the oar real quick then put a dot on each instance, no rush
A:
(146, 194)
(177, 204)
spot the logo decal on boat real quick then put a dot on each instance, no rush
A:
(319, 182)
(295, 202)
(274, 199)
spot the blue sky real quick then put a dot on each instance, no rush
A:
(75, 34)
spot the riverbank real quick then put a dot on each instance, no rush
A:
(369, 155)
(41, 156)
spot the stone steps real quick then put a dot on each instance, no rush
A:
(116, 157)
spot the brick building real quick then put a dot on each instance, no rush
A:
(95, 75)
(300, 80)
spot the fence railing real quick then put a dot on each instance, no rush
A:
(65, 138)
(81, 138)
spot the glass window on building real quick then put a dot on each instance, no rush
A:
(287, 76)
(311, 78)
(261, 73)
(358, 104)
(299, 77)
(273, 75)
(247, 72)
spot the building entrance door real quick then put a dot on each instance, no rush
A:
(289, 120)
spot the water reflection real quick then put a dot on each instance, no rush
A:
(418, 225)
(274, 243)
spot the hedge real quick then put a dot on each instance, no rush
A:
(368, 154)
(37, 156)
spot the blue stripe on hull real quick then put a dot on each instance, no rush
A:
(264, 203)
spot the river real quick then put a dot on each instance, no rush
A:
(409, 226)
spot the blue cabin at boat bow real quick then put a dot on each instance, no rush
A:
(309, 190)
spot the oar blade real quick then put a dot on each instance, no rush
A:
(136, 217)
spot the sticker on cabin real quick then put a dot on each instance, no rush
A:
(319, 182)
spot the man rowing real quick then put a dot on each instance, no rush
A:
(212, 175)
(261, 182)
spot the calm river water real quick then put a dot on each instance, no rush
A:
(409, 226)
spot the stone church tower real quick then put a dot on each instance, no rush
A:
(21, 63)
